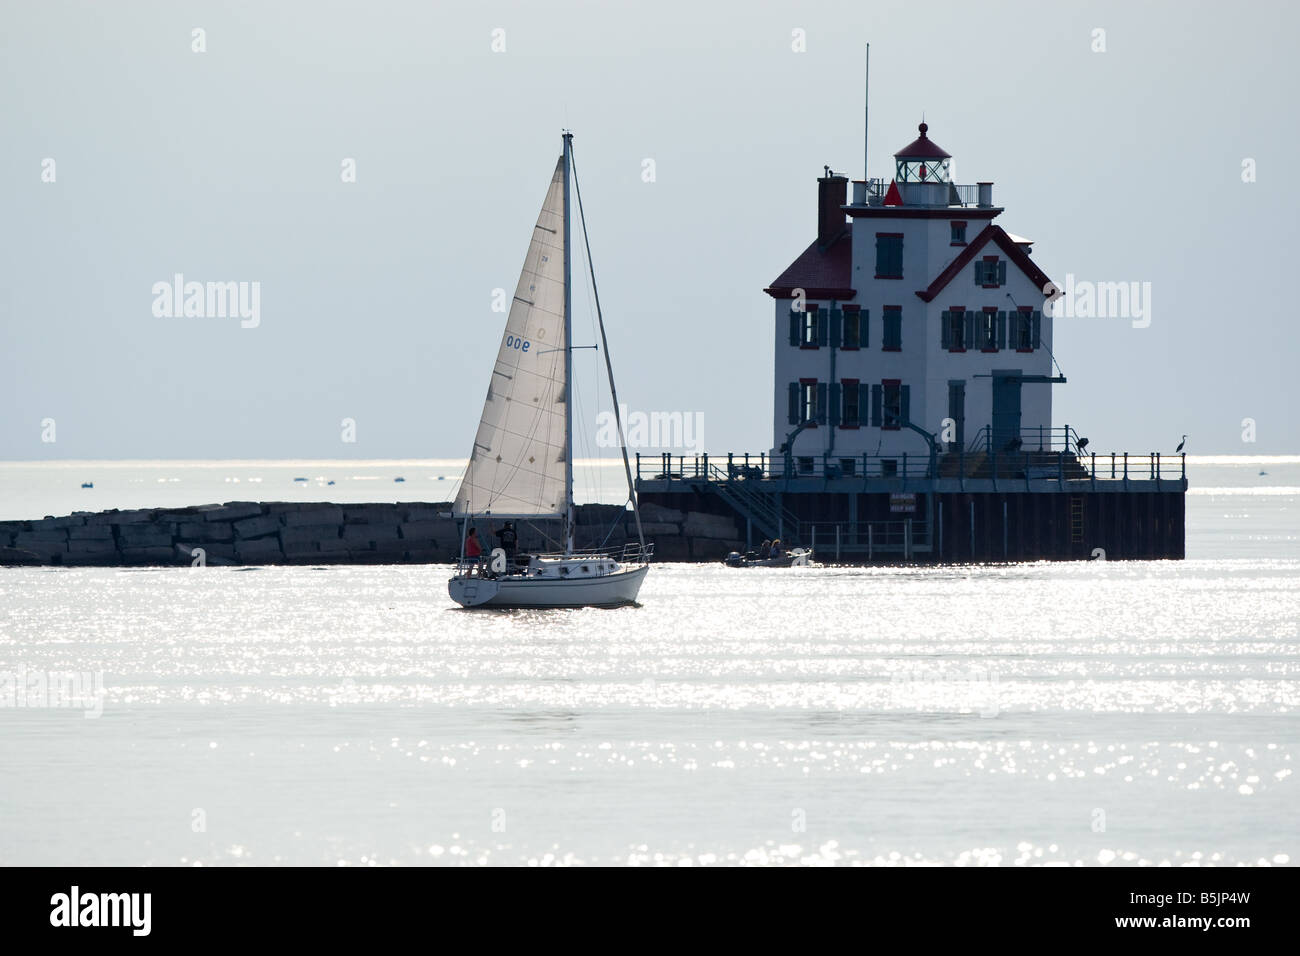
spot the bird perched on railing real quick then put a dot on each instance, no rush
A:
(1181, 445)
(1081, 445)
(1013, 445)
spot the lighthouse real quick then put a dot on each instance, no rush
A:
(912, 398)
(912, 323)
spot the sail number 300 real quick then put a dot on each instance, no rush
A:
(514, 342)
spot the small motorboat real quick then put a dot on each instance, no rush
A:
(88, 484)
(794, 558)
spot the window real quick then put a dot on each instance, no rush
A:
(810, 328)
(889, 404)
(848, 467)
(952, 330)
(1023, 334)
(852, 327)
(987, 330)
(889, 255)
(808, 400)
(807, 328)
(991, 272)
(958, 233)
(892, 407)
(892, 334)
(850, 415)
(805, 466)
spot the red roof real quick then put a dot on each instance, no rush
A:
(822, 273)
(922, 148)
(989, 233)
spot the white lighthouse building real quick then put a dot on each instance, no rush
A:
(913, 324)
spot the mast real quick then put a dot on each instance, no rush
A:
(569, 515)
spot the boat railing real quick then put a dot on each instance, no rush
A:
(631, 553)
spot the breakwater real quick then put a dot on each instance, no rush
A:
(254, 533)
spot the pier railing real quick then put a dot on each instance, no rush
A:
(832, 540)
(1056, 454)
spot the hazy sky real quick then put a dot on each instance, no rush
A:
(376, 295)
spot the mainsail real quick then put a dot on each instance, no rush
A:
(517, 465)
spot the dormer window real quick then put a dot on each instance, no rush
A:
(991, 272)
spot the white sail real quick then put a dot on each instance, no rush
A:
(517, 465)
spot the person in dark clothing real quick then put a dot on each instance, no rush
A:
(765, 551)
(508, 541)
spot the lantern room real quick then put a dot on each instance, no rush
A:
(922, 161)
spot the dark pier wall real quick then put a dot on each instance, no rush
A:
(1031, 527)
(960, 527)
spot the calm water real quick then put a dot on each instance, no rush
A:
(1100, 713)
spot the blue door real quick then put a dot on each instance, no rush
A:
(1006, 409)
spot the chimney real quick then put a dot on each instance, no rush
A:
(832, 193)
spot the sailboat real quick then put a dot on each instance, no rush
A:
(521, 465)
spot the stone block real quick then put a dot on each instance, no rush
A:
(91, 532)
(205, 531)
(92, 546)
(701, 525)
(32, 537)
(152, 555)
(649, 528)
(357, 533)
(313, 513)
(258, 527)
(144, 536)
(233, 511)
(654, 512)
(258, 551)
(214, 553)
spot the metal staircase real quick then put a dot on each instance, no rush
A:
(771, 520)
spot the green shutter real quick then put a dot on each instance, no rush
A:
(875, 405)
(837, 326)
(1002, 330)
(834, 407)
(820, 324)
(970, 341)
(904, 404)
(979, 273)
(796, 324)
(821, 403)
(864, 340)
(1002, 272)
(1037, 319)
(793, 417)
(945, 329)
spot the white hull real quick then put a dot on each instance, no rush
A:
(609, 590)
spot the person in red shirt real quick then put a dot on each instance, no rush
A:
(472, 547)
